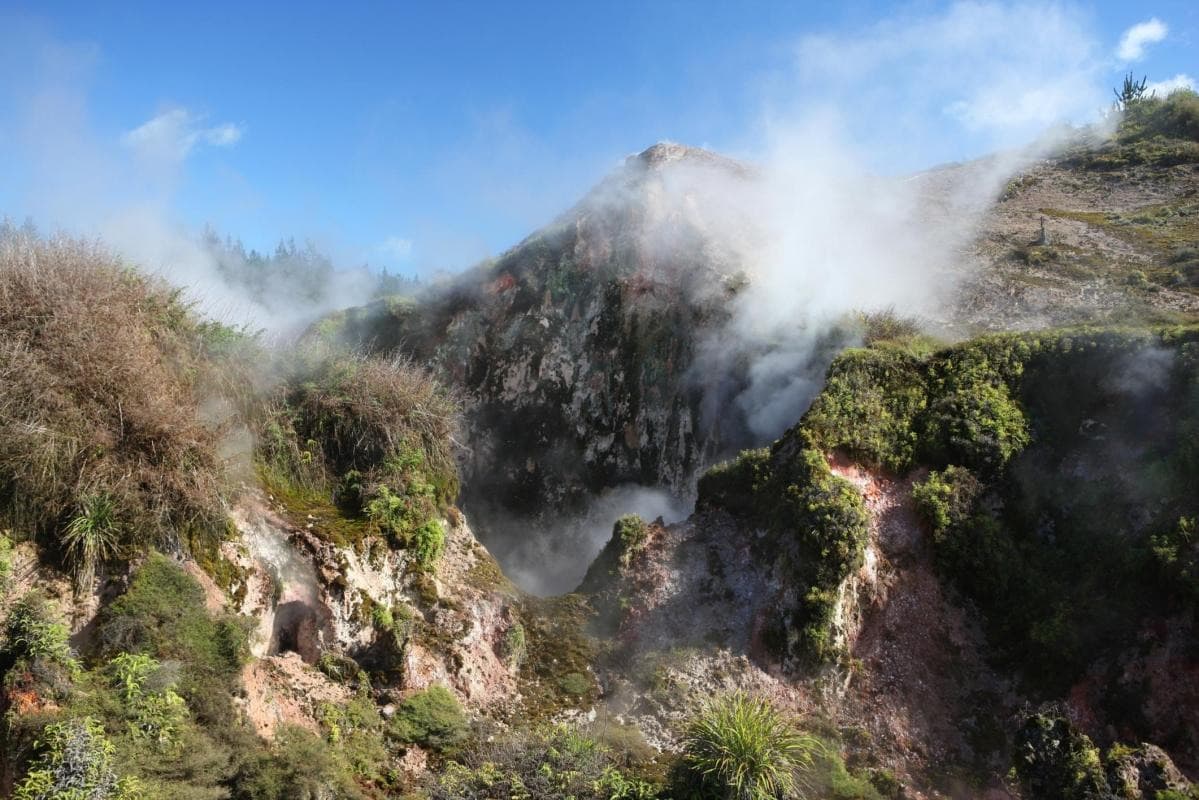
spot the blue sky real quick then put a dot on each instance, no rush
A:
(426, 136)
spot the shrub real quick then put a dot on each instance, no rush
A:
(733, 485)
(742, 747)
(575, 683)
(821, 521)
(946, 498)
(368, 440)
(156, 712)
(818, 527)
(374, 414)
(977, 423)
(869, 406)
(162, 614)
(102, 369)
(382, 618)
(299, 766)
(432, 719)
(75, 764)
(355, 733)
(1174, 116)
(601, 582)
(543, 764)
(32, 634)
(833, 780)
(428, 542)
(515, 647)
(887, 325)
(631, 532)
(1177, 553)
(5, 561)
(1053, 759)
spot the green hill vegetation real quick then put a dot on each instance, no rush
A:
(1063, 465)
(129, 426)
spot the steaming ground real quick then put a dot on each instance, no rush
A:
(685, 309)
(810, 234)
(555, 563)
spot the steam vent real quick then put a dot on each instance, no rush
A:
(442, 441)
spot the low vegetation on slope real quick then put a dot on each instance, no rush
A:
(367, 441)
(817, 525)
(1065, 464)
(1159, 131)
(128, 426)
(1061, 497)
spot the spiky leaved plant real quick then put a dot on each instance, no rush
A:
(91, 537)
(742, 748)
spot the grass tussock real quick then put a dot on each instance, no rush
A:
(101, 440)
(741, 746)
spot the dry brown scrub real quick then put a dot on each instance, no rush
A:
(101, 370)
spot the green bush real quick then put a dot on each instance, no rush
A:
(516, 646)
(742, 747)
(631, 531)
(833, 780)
(428, 542)
(5, 562)
(156, 713)
(299, 766)
(1174, 116)
(365, 444)
(1053, 759)
(543, 764)
(162, 614)
(869, 406)
(733, 485)
(75, 763)
(818, 531)
(976, 423)
(355, 733)
(431, 719)
(575, 683)
(1177, 553)
(821, 522)
(946, 499)
(34, 636)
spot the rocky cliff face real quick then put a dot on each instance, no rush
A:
(322, 602)
(583, 353)
(575, 350)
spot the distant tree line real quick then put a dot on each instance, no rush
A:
(301, 274)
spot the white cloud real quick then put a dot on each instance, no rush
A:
(1163, 88)
(173, 134)
(222, 135)
(395, 247)
(1133, 42)
(1003, 72)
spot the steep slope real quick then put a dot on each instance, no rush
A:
(574, 350)
(1045, 560)
(582, 353)
(1105, 230)
(215, 587)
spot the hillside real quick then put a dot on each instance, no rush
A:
(575, 352)
(605, 352)
(966, 568)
